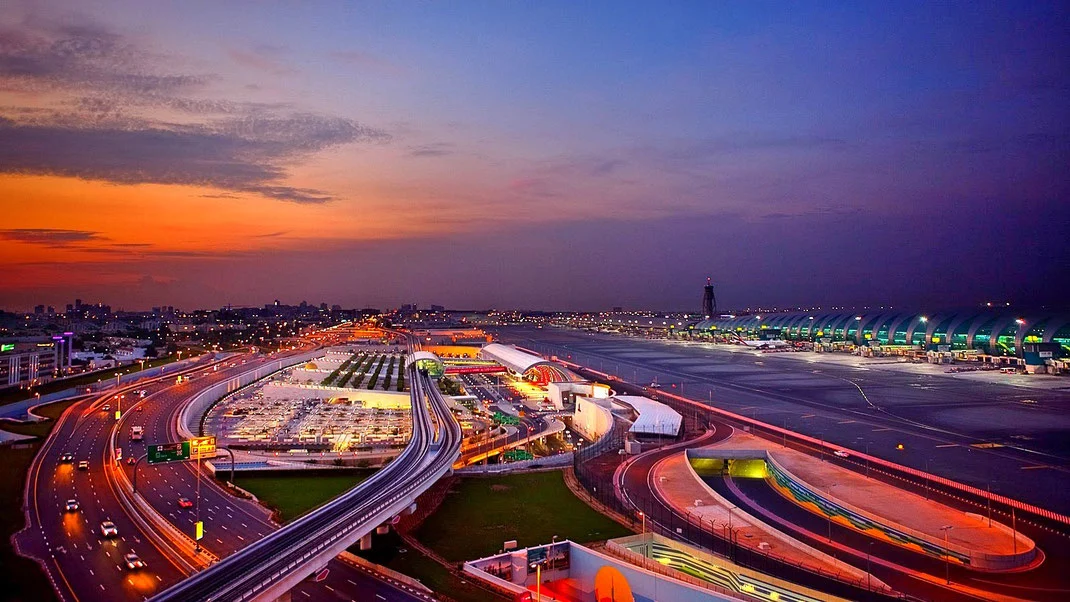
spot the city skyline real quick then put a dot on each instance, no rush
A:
(533, 157)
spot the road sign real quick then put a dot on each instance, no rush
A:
(168, 452)
(202, 447)
(200, 529)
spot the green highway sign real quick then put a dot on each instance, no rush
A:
(168, 452)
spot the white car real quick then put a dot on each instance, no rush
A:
(133, 561)
(108, 529)
(841, 453)
(72, 506)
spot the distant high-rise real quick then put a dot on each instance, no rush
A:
(709, 301)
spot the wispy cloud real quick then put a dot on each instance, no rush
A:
(264, 57)
(434, 149)
(99, 132)
(49, 237)
(367, 62)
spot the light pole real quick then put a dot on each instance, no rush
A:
(869, 574)
(829, 500)
(947, 553)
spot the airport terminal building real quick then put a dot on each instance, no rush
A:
(994, 332)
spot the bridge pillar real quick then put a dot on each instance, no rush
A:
(382, 529)
(366, 542)
(411, 508)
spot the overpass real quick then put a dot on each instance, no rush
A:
(269, 568)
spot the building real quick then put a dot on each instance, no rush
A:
(990, 331)
(28, 362)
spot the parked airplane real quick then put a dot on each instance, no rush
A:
(766, 344)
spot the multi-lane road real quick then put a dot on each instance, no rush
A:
(84, 565)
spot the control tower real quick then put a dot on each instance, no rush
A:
(709, 301)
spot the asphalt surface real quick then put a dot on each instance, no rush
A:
(939, 420)
(85, 566)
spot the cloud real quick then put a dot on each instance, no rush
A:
(435, 149)
(264, 58)
(50, 237)
(367, 62)
(97, 130)
(239, 156)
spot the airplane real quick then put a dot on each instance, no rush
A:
(766, 344)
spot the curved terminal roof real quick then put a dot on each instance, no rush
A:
(994, 331)
(655, 418)
(422, 357)
(516, 360)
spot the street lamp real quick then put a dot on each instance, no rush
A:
(947, 554)
(538, 579)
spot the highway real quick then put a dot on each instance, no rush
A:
(85, 566)
(277, 562)
(82, 564)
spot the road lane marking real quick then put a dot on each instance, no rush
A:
(948, 445)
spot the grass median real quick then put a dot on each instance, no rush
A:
(51, 411)
(292, 494)
(480, 513)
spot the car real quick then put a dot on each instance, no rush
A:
(108, 529)
(133, 561)
(106, 408)
(83, 465)
(131, 460)
(184, 502)
(66, 458)
(841, 453)
(72, 506)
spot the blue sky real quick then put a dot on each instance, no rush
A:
(632, 147)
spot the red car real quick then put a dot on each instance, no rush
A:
(184, 503)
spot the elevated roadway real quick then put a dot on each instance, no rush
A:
(272, 566)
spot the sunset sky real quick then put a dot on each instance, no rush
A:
(553, 155)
